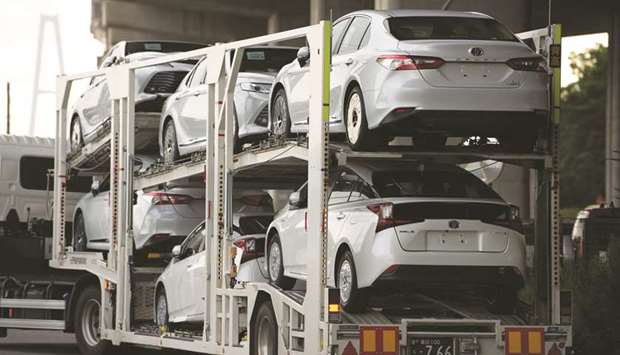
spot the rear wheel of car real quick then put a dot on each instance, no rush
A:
(76, 139)
(161, 312)
(79, 233)
(352, 298)
(264, 334)
(280, 117)
(86, 323)
(170, 146)
(503, 300)
(275, 265)
(358, 134)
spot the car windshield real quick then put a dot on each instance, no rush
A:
(440, 27)
(430, 183)
(266, 60)
(162, 47)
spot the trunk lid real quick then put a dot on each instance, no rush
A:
(452, 226)
(463, 69)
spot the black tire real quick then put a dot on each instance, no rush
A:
(79, 233)
(276, 273)
(264, 331)
(170, 146)
(429, 141)
(280, 120)
(503, 300)
(86, 307)
(161, 311)
(358, 299)
(76, 137)
(12, 223)
(358, 135)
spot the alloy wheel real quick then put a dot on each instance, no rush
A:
(354, 118)
(280, 118)
(76, 135)
(275, 256)
(345, 280)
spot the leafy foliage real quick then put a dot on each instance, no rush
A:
(582, 130)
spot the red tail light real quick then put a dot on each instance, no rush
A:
(406, 62)
(527, 64)
(163, 198)
(385, 212)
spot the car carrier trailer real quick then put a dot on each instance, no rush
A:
(113, 302)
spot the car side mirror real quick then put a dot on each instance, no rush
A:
(303, 55)
(294, 199)
(176, 251)
(94, 188)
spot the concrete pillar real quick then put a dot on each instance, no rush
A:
(388, 4)
(613, 114)
(273, 23)
(317, 11)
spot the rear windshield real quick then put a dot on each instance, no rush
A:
(266, 60)
(420, 28)
(430, 183)
(163, 47)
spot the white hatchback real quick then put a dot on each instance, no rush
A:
(415, 226)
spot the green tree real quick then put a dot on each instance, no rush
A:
(582, 130)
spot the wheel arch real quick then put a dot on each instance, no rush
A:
(70, 301)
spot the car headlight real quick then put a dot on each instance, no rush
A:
(256, 87)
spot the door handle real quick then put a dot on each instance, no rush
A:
(349, 61)
(341, 216)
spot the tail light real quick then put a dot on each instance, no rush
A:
(406, 62)
(252, 249)
(385, 212)
(528, 64)
(512, 222)
(164, 198)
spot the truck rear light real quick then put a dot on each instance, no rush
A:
(525, 341)
(164, 198)
(385, 212)
(406, 62)
(528, 64)
(379, 340)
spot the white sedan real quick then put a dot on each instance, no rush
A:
(393, 229)
(424, 74)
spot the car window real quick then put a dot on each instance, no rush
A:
(353, 37)
(198, 74)
(447, 27)
(34, 174)
(430, 183)
(303, 196)
(365, 38)
(350, 187)
(337, 32)
(266, 60)
(195, 242)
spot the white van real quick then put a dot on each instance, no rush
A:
(25, 190)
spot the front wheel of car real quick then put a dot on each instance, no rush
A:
(76, 139)
(79, 233)
(275, 265)
(170, 146)
(280, 116)
(161, 312)
(357, 132)
(352, 298)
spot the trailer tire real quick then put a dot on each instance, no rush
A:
(264, 332)
(86, 323)
(275, 265)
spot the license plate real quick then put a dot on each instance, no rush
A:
(432, 346)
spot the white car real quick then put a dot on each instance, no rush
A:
(424, 74)
(153, 85)
(183, 123)
(180, 289)
(161, 219)
(415, 226)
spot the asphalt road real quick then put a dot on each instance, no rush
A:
(27, 342)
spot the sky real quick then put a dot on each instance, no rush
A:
(19, 33)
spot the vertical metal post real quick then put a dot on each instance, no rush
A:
(555, 234)
(63, 88)
(318, 184)
(612, 155)
(8, 107)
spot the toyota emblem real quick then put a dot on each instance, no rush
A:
(453, 224)
(476, 51)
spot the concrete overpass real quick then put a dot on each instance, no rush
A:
(212, 21)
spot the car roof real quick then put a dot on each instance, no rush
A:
(416, 12)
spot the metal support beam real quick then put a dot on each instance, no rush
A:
(318, 11)
(388, 4)
(612, 154)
